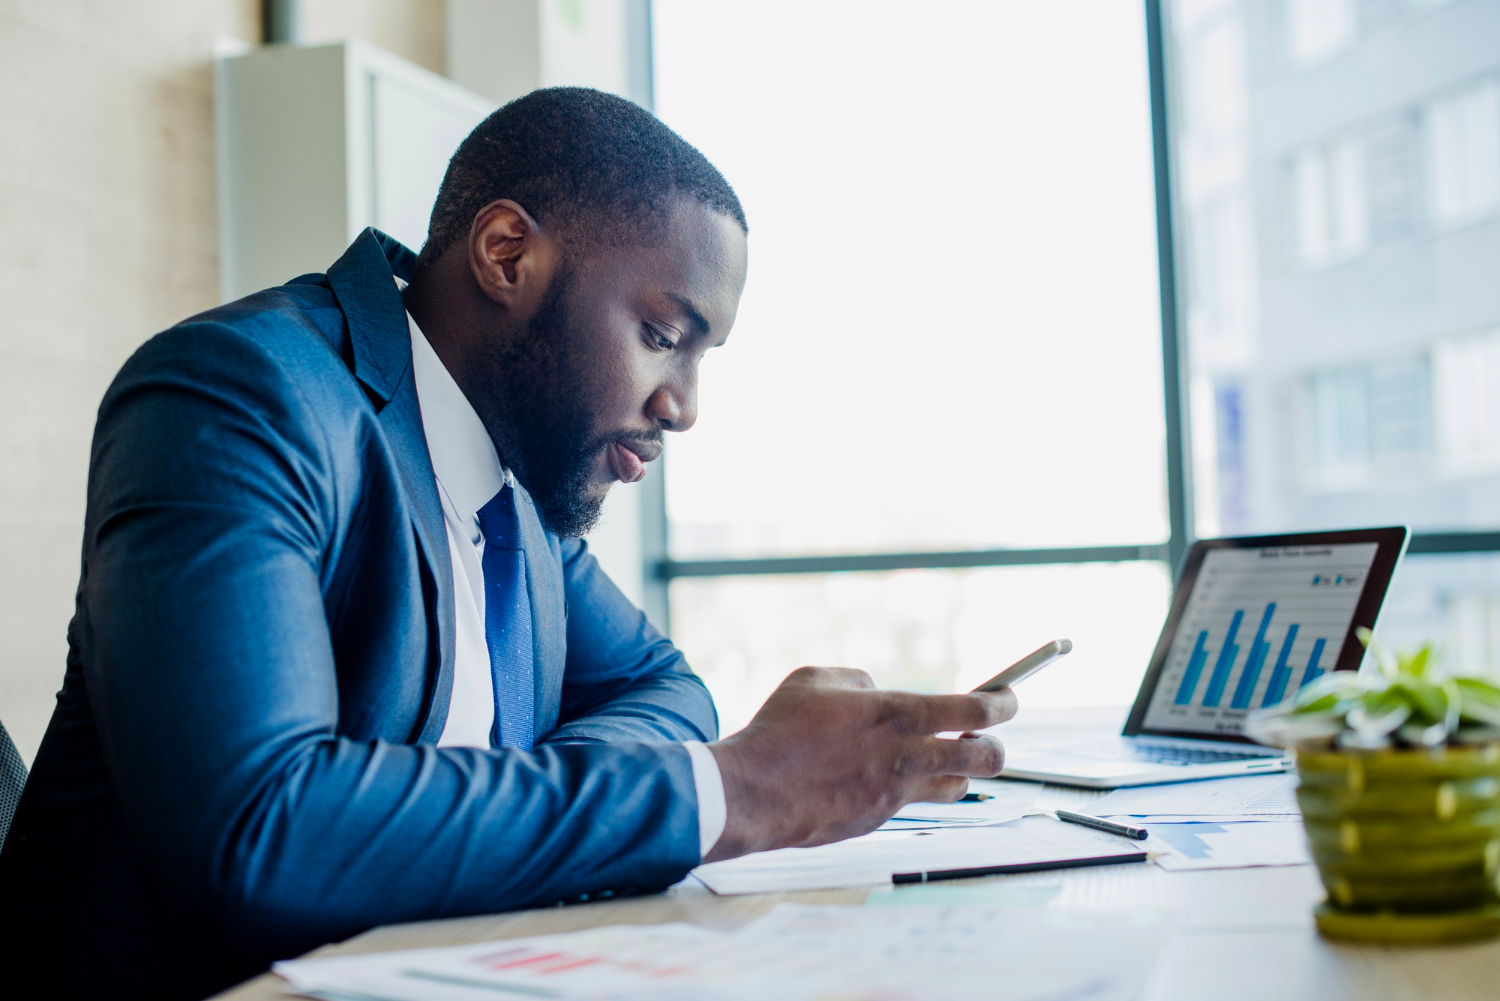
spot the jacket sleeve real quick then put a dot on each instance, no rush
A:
(213, 498)
(624, 680)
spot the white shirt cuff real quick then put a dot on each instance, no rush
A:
(709, 785)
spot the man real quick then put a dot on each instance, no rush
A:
(339, 657)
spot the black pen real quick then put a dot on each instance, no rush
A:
(901, 878)
(1125, 831)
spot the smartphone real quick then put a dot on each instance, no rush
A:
(1027, 666)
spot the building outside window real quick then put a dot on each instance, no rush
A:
(1364, 390)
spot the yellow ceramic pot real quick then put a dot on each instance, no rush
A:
(1407, 842)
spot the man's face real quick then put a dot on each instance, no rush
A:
(609, 362)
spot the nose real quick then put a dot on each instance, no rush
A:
(674, 405)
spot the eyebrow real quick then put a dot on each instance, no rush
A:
(694, 316)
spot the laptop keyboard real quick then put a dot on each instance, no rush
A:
(1160, 754)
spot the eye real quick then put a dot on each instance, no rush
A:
(656, 338)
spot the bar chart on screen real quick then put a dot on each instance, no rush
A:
(1260, 624)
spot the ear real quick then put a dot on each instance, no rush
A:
(511, 257)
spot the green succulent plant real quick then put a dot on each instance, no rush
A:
(1409, 701)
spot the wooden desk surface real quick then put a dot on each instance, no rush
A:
(1240, 934)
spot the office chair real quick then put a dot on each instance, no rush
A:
(12, 779)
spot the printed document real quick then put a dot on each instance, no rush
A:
(793, 953)
(873, 859)
(1004, 802)
(1228, 846)
(1249, 798)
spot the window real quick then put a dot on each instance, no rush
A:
(1390, 162)
(1466, 390)
(1331, 220)
(924, 630)
(1341, 424)
(1370, 420)
(1463, 154)
(933, 250)
(1358, 393)
(1455, 597)
(1365, 387)
(948, 353)
(953, 421)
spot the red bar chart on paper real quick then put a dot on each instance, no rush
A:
(1260, 624)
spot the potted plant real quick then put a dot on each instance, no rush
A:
(1399, 775)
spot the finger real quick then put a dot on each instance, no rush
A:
(941, 789)
(830, 677)
(1008, 702)
(983, 757)
(937, 713)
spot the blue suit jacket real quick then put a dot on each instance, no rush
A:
(242, 762)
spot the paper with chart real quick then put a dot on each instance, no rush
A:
(873, 859)
(1006, 801)
(1260, 624)
(1228, 846)
(617, 962)
(1218, 824)
(1236, 800)
(794, 953)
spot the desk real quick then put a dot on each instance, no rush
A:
(1241, 934)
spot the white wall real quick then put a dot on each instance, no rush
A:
(107, 206)
(412, 29)
(506, 48)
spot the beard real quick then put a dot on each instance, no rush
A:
(543, 424)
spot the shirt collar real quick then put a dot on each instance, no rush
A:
(463, 455)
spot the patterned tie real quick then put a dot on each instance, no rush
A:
(507, 621)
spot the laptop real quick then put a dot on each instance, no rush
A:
(1253, 619)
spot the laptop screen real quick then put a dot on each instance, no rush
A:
(1258, 623)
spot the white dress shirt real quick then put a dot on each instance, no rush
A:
(469, 475)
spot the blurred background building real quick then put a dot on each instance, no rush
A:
(1339, 179)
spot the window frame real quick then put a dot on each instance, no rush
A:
(659, 569)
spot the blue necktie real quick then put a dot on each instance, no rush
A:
(507, 621)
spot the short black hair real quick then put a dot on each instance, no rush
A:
(578, 160)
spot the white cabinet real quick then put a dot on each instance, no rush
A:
(315, 144)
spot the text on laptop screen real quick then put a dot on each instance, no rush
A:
(1259, 624)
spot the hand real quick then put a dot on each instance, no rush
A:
(829, 756)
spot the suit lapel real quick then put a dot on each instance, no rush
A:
(362, 281)
(402, 420)
(544, 586)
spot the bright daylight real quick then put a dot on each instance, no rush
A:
(836, 500)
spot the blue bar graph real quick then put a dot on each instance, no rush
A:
(1313, 670)
(1276, 688)
(1194, 669)
(1225, 663)
(1257, 659)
